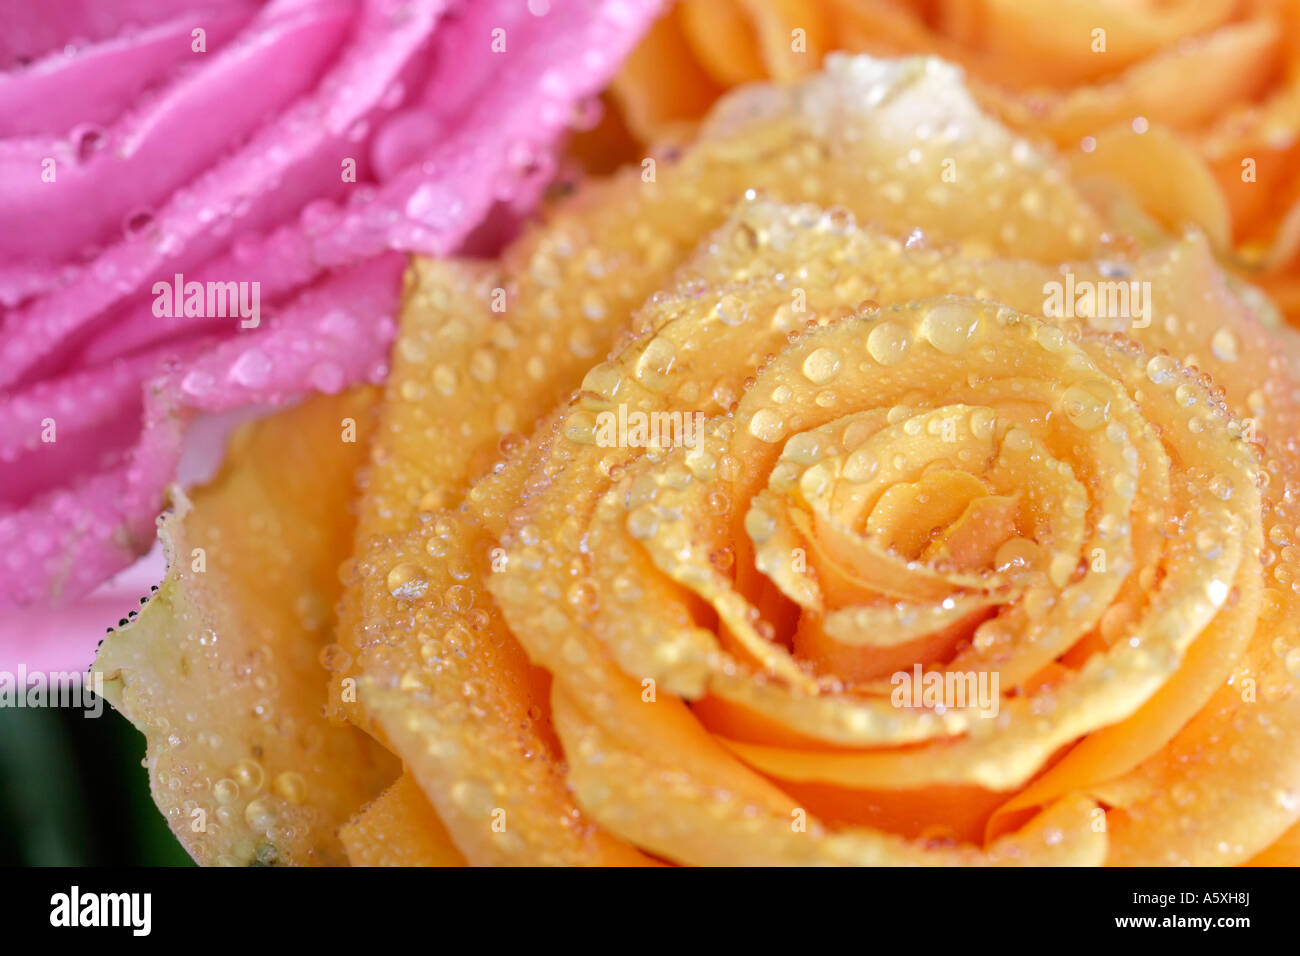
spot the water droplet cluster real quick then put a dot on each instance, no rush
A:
(904, 466)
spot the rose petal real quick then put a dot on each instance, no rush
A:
(476, 128)
(235, 634)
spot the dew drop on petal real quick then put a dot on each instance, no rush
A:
(821, 366)
(1162, 369)
(859, 466)
(252, 369)
(888, 343)
(950, 327)
(731, 310)
(1224, 345)
(407, 581)
(1082, 408)
(767, 425)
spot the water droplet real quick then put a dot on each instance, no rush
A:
(1224, 345)
(458, 598)
(731, 310)
(593, 306)
(1208, 544)
(87, 140)
(949, 327)
(582, 595)
(656, 363)
(327, 377)
(1293, 662)
(859, 466)
(1051, 338)
(259, 815)
(804, 448)
(248, 774)
(225, 790)
(983, 422)
(334, 658)
(252, 369)
(821, 366)
(1016, 554)
(888, 343)
(483, 366)
(444, 380)
(1084, 409)
(767, 425)
(759, 525)
(407, 581)
(643, 523)
(136, 222)
(1162, 369)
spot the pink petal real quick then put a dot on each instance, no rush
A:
(48, 639)
(66, 90)
(225, 166)
(34, 30)
(68, 540)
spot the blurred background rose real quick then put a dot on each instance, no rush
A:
(305, 146)
(299, 147)
(1195, 103)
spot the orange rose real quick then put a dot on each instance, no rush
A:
(1172, 98)
(848, 488)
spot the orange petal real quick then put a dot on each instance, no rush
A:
(222, 669)
(399, 828)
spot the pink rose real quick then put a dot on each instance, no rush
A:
(272, 163)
